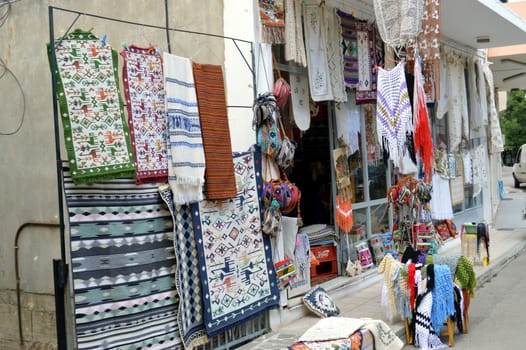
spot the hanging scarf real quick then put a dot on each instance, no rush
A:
(344, 213)
(425, 335)
(466, 275)
(210, 90)
(186, 167)
(423, 140)
(495, 134)
(294, 43)
(443, 297)
(142, 74)
(348, 124)
(316, 43)
(480, 173)
(393, 111)
(389, 267)
(334, 54)
(411, 283)
(299, 88)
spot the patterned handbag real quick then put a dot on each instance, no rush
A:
(269, 137)
(285, 155)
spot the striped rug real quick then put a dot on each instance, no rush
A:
(219, 175)
(123, 266)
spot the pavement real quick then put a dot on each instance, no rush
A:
(359, 297)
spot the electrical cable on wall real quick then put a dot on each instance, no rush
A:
(5, 15)
(3, 74)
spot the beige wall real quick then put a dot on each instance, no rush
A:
(27, 158)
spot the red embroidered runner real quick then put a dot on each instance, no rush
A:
(210, 89)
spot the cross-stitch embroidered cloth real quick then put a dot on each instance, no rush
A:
(235, 260)
(142, 75)
(96, 132)
(187, 279)
(123, 266)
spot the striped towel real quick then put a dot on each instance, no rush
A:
(186, 159)
(220, 180)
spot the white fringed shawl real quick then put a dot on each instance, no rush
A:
(425, 336)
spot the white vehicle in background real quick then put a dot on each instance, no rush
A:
(519, 167)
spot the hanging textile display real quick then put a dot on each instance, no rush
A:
(360, 55)
(427, 46)
(190, 317)
(479, 170)
(294, 43)
(399, 21)
(272, 17)
(316, 43)
(454, 99)
(334, 54)
(123, 266)
(343, 215)
(96, 133)
(475, 101)
(393, 111)
(348, 124)
(301, 284)
(423, 140)
(210, 88)
(142, 75)
(440, 203)
(235, 260)
(495, 133)
(186, 159)
(299, 85)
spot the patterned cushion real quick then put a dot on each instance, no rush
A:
(319, 302)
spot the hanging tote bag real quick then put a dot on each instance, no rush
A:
(281, 88)
(285, 155)
(269, 136)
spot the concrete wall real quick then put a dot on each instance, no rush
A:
(27, 158)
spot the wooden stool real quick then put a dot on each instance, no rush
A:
(450, 331)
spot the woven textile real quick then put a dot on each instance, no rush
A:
(300, 100)
(235, 260)
(315, 43)
(186, 158)
(359, 57)
(399, 21)
(272, 18)
(187, 281)
(123, 266)
(355, 341)
(393, 111)
(96, 133)
(443, 297)
(331, 328)
(334, 54)
(210, 88)
(497, 143)
(142, 74)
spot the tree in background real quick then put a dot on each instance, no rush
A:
(513, 122)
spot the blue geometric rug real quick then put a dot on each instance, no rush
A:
(187, 279)
(123, 266)
(235, 260)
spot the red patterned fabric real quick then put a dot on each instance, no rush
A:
(219, 175)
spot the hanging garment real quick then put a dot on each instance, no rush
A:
(399, 21)
(480, 172)
(440, 203)
(299, 87)
(483, 92)
(455, 103)
(271, 13)
(348, 123)
(423, 139)
(393, 111)
(468, 171)
(443, 297)
(294, 43)
(475, 101)
(96, 132)
(210, 88)
(495, 133)
(142, 75)
(316, 43)
(334, 54)
(186, 167)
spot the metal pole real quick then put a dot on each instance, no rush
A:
(60, 269)
(167, 22)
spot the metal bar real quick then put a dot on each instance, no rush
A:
(244, 59)
(60, 323)
(167, 21)
(59, 278)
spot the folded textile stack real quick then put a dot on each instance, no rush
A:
(319, 234)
